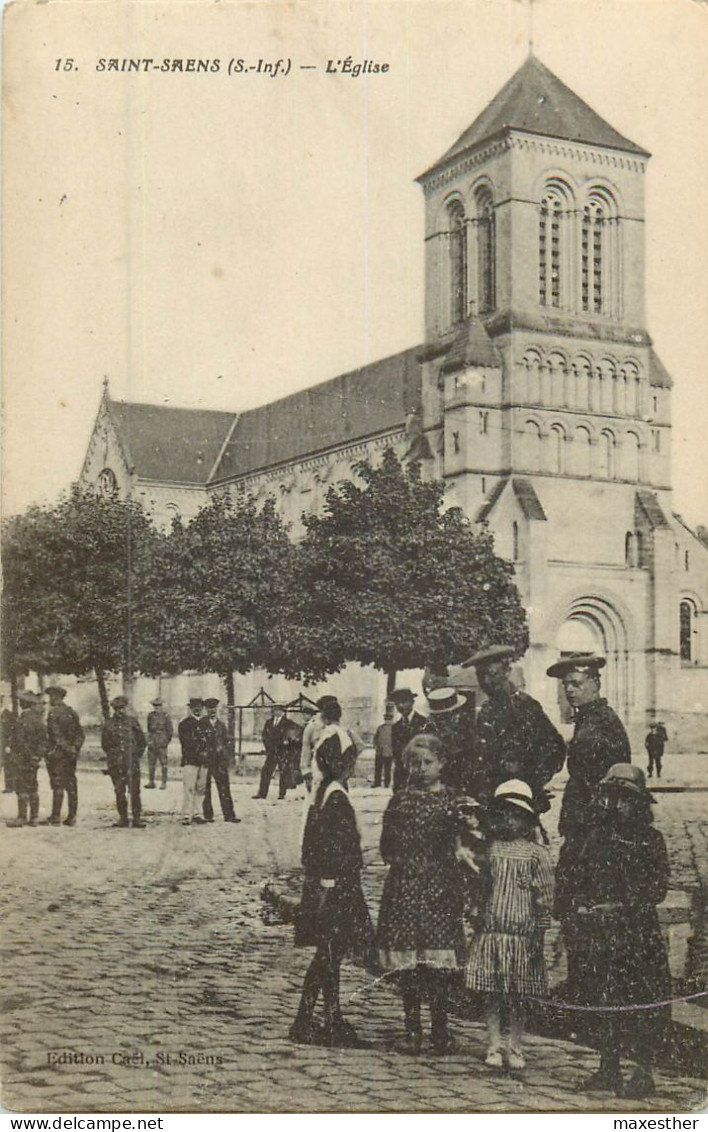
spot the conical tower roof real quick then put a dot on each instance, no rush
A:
(535, 101)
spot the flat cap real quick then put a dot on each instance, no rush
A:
(119, 701)
(55, 689)
(157, 702)
(487, 656)
(211, 702)
(577, 661)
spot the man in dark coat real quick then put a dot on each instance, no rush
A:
(159, 735)
(274, 744)
(123, 741)
(408, 724)
(655, 742)
(192, 739)
(515, 737)
(452, 720)
(599, 741)
(31, 745)
(8, 732)
(383, 760)
(66, 738)
(217, 747)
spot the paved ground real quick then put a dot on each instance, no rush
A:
(147, 951)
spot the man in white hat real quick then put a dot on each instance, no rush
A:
(515, 737)
(451, 719)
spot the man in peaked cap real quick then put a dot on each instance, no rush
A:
(515, 737)
(159, 735)
(31, 745)
(599, 741)
(194, 762)
(217, 745)
(66, 738)
(654, 743)
(408, 724)
(123, 741)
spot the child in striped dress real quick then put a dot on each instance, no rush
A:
(506, 959)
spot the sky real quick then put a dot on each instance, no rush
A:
(218, 240)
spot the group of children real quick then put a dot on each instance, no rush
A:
(443, 848)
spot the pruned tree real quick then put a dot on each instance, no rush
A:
(72, 574)
(390, 578)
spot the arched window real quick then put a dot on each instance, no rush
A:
(531, 439)
(592, 262)
(550, 251)
(557, 453)
(532, 368)
(630, 457)
(630, 549)
(581, 451)
(606, 455)
(687, 632)
(515, 542)
(486, 251)
(458, 261)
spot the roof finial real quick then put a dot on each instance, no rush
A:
(105, 383)
(530, 27)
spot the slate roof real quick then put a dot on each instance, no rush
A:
(659, 376)
(167, 444)
(535, 101)
(344, 409)
(649, 504)
(471, 347)
(525, 494)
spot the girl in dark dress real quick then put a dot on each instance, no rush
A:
(420, 932)
(619, 878)
(333, 916)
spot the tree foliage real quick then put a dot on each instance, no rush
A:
(72, 575)
(218, 588)
(388, 577)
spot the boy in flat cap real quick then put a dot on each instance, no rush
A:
(217, 747)
(599, 741)
(515, 737)
(159, 735)
(66, 738)
(123, 741)
(31, 745)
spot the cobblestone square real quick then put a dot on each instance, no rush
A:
(140, 973)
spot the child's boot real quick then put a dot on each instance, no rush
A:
(514, 1051)
(410, 993)
(494, 1057)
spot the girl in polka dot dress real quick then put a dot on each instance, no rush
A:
(420, 933)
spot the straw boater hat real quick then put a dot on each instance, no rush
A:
(577, 661)
(514, 792)
(626, 777)
(489, 655)
(444, 700)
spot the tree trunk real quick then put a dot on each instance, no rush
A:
(230, 710)
(102, 691)
(13, 693)
(390, 681)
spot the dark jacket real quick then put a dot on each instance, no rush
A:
(193, 740)
(159, 728)
(515, 739)
(456, 732)
(66, 735)
(655, 741)
(123, 740)
(599, 741)
(31, 739)
(624, 953)
(216, 741)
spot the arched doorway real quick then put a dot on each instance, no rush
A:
(592, 624)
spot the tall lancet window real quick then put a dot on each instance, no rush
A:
(486, 251)
(458, 262)
(552, 247)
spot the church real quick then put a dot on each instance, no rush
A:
(535, 394)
